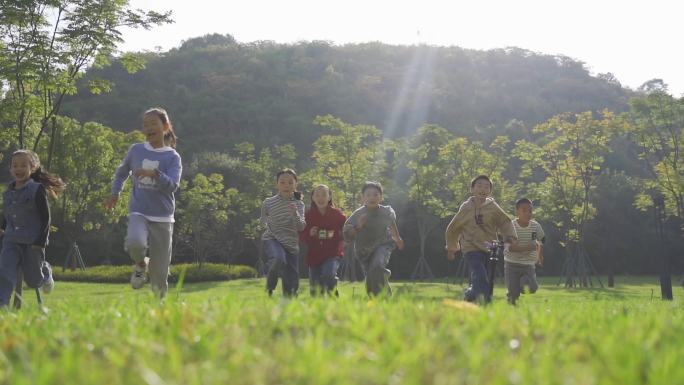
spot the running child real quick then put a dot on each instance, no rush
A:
(373, 230)
(520, 259)
(155, 167)
(283, 217)
(477, 222)
(323, 236)
(26, 225)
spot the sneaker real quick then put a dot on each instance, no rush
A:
(48, 282)
(138, 277)
(468, 295)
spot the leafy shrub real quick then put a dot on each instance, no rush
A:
(194, 273)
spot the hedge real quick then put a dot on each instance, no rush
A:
(122, 274)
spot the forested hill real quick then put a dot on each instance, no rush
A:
(219, 91)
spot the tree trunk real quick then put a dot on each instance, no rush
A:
(51, 150)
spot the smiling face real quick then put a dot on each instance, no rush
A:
(372, 197)
(286, 184)
(154, 129)
(21, 168)
(321, 196)
(481, 189)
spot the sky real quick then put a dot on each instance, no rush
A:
(634, 40)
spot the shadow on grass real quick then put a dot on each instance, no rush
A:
(615, 293)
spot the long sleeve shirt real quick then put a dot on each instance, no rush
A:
(281, 223)
(151, 197)
(473, 226)
(327, 241)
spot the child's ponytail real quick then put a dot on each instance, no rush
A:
(53, 184)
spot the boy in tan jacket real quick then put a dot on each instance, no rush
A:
(477, 222)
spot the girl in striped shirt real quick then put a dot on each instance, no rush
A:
(282, 215)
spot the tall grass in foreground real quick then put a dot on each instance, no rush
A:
(233, 333)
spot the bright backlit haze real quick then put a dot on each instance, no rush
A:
(635, 40)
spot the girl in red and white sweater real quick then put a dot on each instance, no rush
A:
(323, 236)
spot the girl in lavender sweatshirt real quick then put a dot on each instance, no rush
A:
(156, 169)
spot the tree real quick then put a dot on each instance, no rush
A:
(442, 167)
(346, 158)
(570, 155)
(428, 184)
(88, 176)
(46, 46)
(653, 86)
(658, 130)
(464, 160)
(204, 210)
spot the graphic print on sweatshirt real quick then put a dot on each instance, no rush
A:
(146, 182)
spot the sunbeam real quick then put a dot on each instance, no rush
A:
(411, 106)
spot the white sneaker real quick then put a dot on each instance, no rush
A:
(48, 281)
(138, 277)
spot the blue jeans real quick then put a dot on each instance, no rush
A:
(323, 278)
(375, 268)
(479, 283)
(283, 264)
(15, 256)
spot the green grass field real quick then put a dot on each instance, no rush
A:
(233, 333)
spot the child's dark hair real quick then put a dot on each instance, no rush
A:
(297, 195)
(371, 184)
(53, 184)
(522, 201)
(330, 201)
(170, 136)
(481, 177)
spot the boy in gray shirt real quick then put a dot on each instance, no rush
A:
(373, 230)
